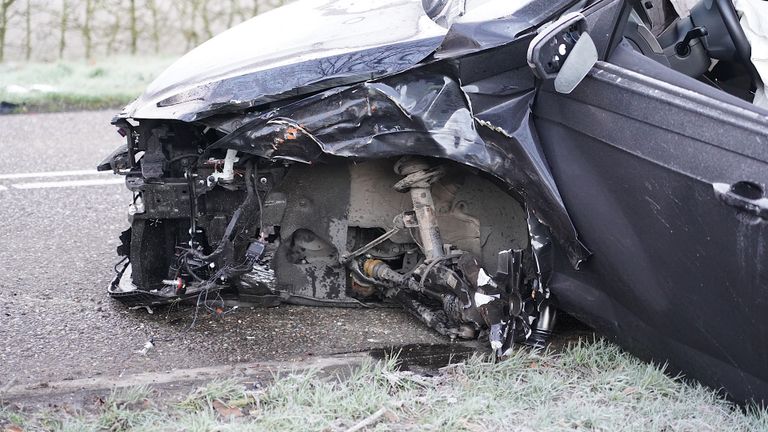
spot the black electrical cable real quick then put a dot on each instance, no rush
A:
(431, 266)
(226, 271)
(120, 272)
(229, 232)
(258, 198)
(192, 207)
(191, 272)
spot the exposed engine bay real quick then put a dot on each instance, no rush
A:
(434, 237)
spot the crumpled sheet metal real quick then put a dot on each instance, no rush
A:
(246, 91)
(495, 24)
(541, 245)
(421, 112)
(248, 65)
(302, 47)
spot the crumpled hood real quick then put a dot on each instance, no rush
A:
(314, 45)
(299, 48)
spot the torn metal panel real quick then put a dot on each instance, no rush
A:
(423, 113)
(541, 245)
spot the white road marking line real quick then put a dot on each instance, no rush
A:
(68, 183)
(14, 176)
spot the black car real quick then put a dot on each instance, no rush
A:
(480, 163)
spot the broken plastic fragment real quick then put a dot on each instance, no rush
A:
(147, 346)
(483, 279)
(149, 309)
(483, 299)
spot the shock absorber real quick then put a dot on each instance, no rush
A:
(418, 178)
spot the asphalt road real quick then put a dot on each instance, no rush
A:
(59, 225)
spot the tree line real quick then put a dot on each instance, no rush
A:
(73, 29)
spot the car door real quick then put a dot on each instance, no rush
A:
(665, 180)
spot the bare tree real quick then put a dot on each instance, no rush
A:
(5, 6)
(51, 28)
(108, 29)
(196, 6)
(114, 31)
(234, 10)
(86, 28)
(28, 31)
(63, 26)
(154, 13)
(206, 18)
(133, 25)
(186, 14)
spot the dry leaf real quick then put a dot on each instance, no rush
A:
(226, 411)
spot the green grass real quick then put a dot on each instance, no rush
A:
(59, 86)
(204, 397)
(590, 386)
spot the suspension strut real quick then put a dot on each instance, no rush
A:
(418, 178)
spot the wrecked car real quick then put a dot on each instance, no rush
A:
(479, 163)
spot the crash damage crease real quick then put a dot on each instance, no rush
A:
(495, 25)
(183, 93)
(250, 90)
(248, 65)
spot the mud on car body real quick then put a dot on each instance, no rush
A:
(479, 163)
